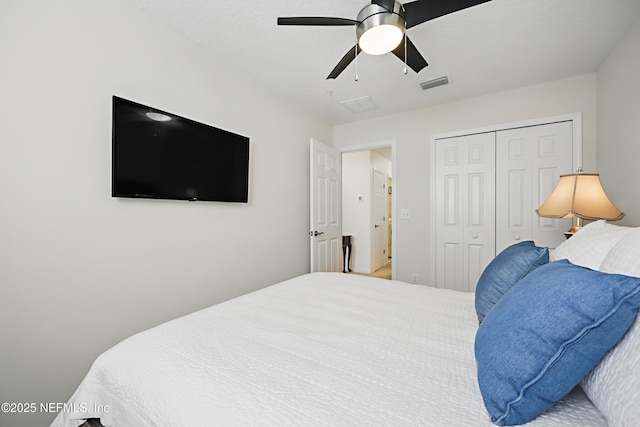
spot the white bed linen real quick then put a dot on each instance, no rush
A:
(320, 349)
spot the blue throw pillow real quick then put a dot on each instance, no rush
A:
(546, 334)
(511, 265)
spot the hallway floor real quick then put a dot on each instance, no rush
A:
(383, 273)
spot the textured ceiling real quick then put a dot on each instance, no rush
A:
(494, 46)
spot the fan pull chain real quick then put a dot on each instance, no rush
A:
(356, 76)
(405, 71)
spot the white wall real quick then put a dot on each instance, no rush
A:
(79, 270)
(619, 125)
(411, 131)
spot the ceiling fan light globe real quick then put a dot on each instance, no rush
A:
(380, 30)
(380, 39)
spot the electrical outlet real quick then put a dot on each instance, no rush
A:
(405, 213)
(415, 278)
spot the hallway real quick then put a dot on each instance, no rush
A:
(383, 273)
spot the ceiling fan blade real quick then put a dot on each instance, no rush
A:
(344, 62)
(312, 20)
(419, 11)
(414, 58)
(386, 4)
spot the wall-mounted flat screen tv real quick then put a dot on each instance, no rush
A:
(160, 155)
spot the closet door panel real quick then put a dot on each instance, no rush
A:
(450, 273)
(465, 216)
(476, 262)
(554, 158)
(513, 188)
(529, 162)
(449, 236)
(518, 210)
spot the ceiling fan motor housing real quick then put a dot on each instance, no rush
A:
(375, 19)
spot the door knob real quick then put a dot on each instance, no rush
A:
(475, 236)
(315, 233)
(517, 237)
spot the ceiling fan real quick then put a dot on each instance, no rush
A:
(381, 25)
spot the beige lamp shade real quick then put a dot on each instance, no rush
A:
(579, 195)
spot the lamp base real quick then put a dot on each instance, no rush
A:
(573, 230)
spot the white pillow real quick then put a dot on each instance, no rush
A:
(624, 257)
(614, 384)
(590, 246)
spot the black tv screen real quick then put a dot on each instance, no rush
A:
(160, 155)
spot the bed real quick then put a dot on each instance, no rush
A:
(320, 349)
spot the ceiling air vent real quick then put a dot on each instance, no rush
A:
(360, 105)
(434, 83)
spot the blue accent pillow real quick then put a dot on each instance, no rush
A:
(511, 265)
(546, 334)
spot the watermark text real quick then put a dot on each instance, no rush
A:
(51, 407)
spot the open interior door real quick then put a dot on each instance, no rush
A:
(326, 213)
(380, 229)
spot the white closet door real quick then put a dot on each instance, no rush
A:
(465, 213)
(529, 162)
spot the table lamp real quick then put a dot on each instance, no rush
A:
(580, 196)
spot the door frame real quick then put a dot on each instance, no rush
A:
(575, 118)
(373, 146)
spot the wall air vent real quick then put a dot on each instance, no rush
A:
(434, 82)
(360, 105)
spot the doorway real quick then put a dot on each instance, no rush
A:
(368, 208)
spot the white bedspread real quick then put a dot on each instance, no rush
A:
(320, 349)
